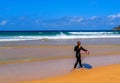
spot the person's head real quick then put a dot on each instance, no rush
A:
(78, 43)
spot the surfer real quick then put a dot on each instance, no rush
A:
(78, 49)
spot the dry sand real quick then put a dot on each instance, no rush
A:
(105, 74)
(27, 63)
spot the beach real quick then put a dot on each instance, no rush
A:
(103, 75)
(35, 57)
(33, 63)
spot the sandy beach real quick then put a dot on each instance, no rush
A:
(52, 63)
(105, 74)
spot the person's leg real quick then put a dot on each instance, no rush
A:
(80, 61)
(77, 60)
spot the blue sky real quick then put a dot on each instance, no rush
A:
(59, 14)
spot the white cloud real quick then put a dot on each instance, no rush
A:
(118, 15)
(112, 17)
(4, 22)
(76, 19)
(93, 18)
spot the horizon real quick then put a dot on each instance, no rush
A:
(60, 31)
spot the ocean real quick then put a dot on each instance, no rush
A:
(12, 36)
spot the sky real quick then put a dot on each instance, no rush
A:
(59, 14)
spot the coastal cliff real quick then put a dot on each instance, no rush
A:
(116, 28)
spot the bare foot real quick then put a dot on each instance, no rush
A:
(73, 69)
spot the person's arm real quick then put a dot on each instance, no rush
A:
(83, 49)
(87, 52)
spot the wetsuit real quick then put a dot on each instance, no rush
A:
(78, 55)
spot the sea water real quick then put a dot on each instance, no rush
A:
(64, 36)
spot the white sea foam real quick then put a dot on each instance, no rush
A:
(88, 33)
(56, 37)
(61, 35)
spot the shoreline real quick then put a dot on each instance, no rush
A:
(85, 41)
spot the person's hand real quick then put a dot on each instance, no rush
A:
(84, 52)
(87, 52)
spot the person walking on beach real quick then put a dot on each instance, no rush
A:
(78, 48)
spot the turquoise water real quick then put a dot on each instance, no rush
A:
(39, 35)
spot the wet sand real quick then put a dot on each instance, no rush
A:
(14, 54)
(28, 63)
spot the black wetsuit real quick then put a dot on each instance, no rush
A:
(78, 55)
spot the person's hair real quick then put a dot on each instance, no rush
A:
(78, 42)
